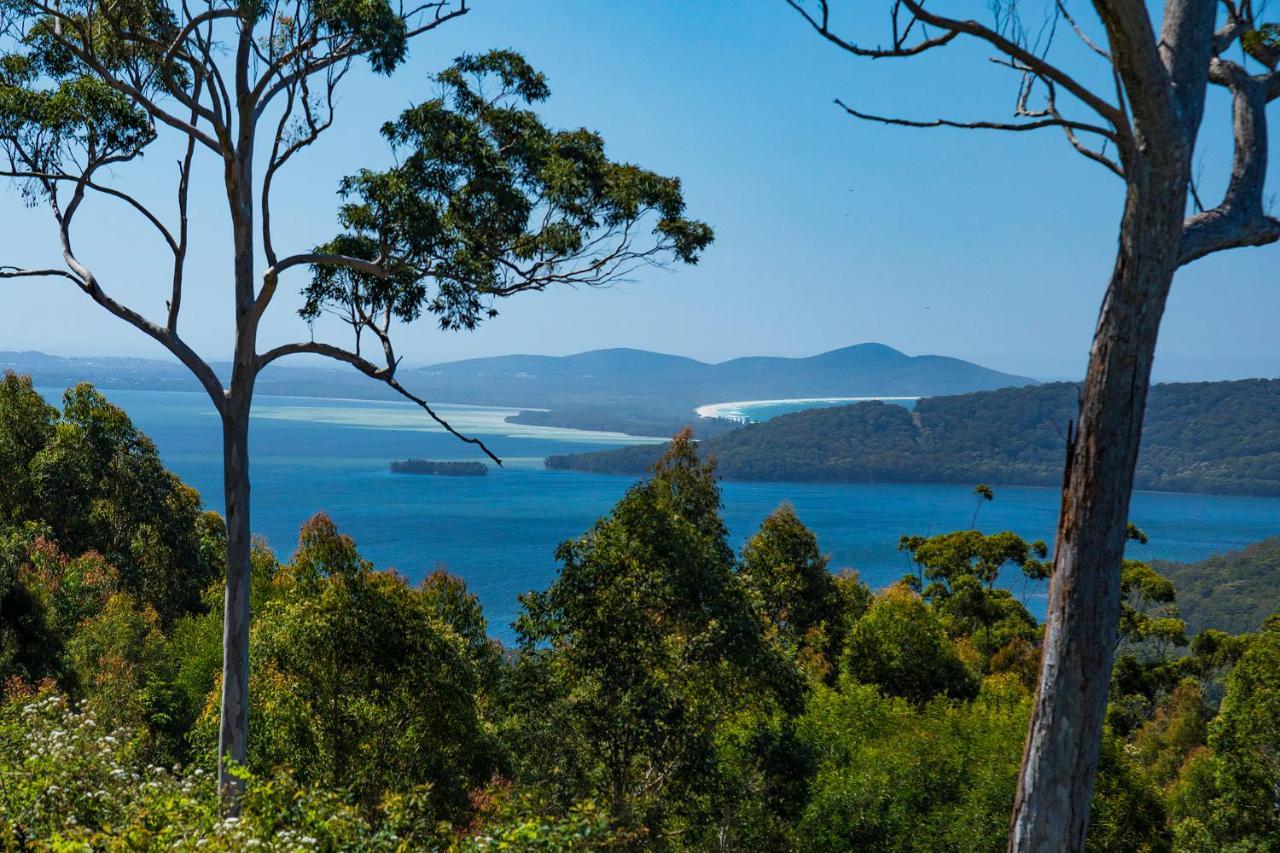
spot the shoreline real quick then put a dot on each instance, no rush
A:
(733, 410)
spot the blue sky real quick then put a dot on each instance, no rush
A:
(990, 247)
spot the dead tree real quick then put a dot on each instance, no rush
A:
(1143, 128)
(484, 201)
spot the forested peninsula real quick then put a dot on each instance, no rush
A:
(1209, 437)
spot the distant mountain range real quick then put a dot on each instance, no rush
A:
(863, 370)
(635, 381)
(1216, 437)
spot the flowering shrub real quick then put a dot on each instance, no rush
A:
(68, 784)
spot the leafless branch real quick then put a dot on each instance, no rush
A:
(383, 374)
(1240, 219)
(1080, 33)
(62, 177)
(18, 272)
(1038, 124)
(899, 47)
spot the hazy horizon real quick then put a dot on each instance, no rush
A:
(410, 364)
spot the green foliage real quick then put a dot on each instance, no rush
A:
(360, 684)
(1127, 813)
(70, 783)
(1232, 592)
(1179, 727)
(520, 822)
(27, 425)
(786, 575)
(98, 485)
(1147, 610)
(30, 647)
(54, 113)
(103, 554)
(645, 642)
(1245, 737)
(901, 647)
(962, 569)
(898, 776)
(486, 201)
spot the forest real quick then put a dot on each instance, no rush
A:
(1213, 437)
(665, 692)
(1235, 591)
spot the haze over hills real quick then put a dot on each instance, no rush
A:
(636, 381)
(861, 370)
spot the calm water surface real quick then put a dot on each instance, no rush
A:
(498, 532)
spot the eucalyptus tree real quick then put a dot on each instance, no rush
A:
(1141, 124)
(483, 200)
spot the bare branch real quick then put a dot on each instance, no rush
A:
(1240, 219)
(87, 282)
(280, 157)
(180, 253)
(18, 272)
(1080, 33)
(954, 27)
(979, 125)
(61, 177)
(383, 374)
(821, 25)
(1096, 156)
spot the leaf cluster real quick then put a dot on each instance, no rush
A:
(485, 201)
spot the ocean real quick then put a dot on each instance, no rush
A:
(499, 532)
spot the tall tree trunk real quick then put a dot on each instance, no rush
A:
(1051, 812)
(233, 722)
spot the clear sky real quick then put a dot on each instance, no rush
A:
(990, 247)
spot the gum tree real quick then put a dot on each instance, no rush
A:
(484, 201)
(1142, 125)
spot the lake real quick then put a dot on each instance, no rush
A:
(499, 532)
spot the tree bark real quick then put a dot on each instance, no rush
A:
(234, 720)
(233, 726)
(1051, 812)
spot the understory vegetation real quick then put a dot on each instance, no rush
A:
(665, 692)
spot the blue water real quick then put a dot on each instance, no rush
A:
(499, 532)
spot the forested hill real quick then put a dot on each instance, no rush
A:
(1233, 592)
(1216, 437)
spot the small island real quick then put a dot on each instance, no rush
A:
(448, 469)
